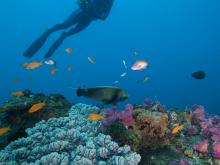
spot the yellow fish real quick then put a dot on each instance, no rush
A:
(17, 93)
(36, 107)
(32, 65)
(4, 130)
(95, 117)
(176, 129)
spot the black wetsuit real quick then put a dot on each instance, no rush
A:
(90, 10)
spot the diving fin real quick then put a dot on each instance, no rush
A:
(32, 50)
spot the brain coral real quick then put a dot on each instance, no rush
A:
(72, 140)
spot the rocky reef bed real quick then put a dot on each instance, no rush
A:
(161, 136)
(14, 113)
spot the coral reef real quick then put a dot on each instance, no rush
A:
(68, 140)
(152, 128)
(145, 128)
(216, 150)
(14, 113)
(180, 162)
(124, 116)
(150, 133)
(201, 146)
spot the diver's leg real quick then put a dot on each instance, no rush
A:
(70, 21)
(73, 19)
(79, 27)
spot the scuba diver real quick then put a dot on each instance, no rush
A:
(88, 11)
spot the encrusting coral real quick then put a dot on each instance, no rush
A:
(152, 127)
(68, 140)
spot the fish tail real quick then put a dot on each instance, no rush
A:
(80, 92)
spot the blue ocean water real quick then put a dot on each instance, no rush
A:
(177, 38)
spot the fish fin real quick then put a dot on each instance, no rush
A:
(24, 64)
(114, 100)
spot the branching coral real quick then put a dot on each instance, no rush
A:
(68, 140)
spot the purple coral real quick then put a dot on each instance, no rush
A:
(209, 130)
(125, 116)
(191, 130)
(110, 117)
(180, 162)
(198, 114)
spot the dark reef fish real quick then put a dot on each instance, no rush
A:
(106, 94)
(199, 75)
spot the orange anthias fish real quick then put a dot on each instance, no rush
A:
(53, 71)
(95, 117)
(17, 93)
(32, 65)
(36, 107)
(69, 50)
(176, 129)
(91, 60)
(4, 130)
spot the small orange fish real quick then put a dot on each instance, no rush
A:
(36, 107)
(53, 71)
(4, 130)
(95, 117)
(91, 60)
(69, 50)
(17, 93)
(32, 65)
(176, 129)
(69, 68)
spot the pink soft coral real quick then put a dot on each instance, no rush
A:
(110, 117)
(202, 146)
(216, 150)
(125, 116)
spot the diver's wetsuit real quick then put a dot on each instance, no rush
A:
(89, 11)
